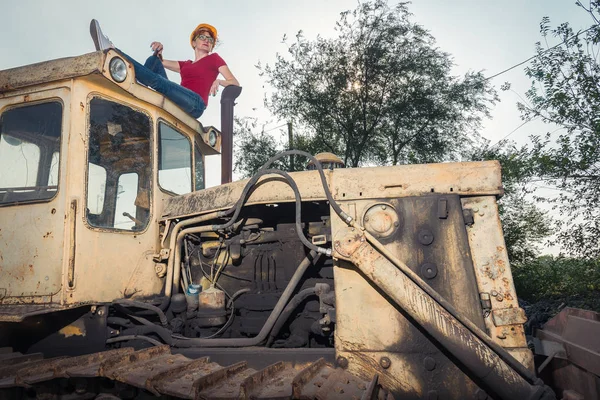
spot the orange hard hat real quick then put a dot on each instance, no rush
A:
(210, 28)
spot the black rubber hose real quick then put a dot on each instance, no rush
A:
(289, 309)
(133, 337)
(319, 167)
(119, 321)
(161, 332)
(266, 329)
(164, 304)
(298, 213)
(139, 304)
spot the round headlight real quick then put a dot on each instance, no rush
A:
(212, 138)
(118, 69)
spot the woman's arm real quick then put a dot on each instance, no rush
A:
(229, 80)
(171, 65)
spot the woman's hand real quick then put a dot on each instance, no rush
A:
(156, 47)
(214, 89)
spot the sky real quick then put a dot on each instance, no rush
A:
(481, 35)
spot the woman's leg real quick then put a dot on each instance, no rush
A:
(188, 100)
(154, 64)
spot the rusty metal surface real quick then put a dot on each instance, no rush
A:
(159, 372)
(468, 178)
(49, 71)
(504, 319)
(370, 328)
(469, 349)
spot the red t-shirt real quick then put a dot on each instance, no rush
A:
(199, 76)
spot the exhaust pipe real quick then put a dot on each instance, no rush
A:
(230, 93)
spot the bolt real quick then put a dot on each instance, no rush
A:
(500, 297)
(480, 395)
(385, 362)
(342, 362)
(101, 312)
(494, 293)
(475, 209)
(429, 363)
(337, 243)
(432, 395)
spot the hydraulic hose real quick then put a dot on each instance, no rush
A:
(146, 306)
(178, 240)
(264, 332)
(161, 332)
(133, 337)
(285, 315)
(345, 217)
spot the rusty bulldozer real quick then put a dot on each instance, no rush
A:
(122, 276)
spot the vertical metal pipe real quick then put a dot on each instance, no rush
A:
(227, 103)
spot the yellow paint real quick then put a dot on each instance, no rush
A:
(72, 330)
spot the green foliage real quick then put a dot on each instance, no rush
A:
(252, 149)
(551, 277)
(525, 226)
(380, 92)
(566, 92)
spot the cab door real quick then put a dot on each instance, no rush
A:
(32, 196)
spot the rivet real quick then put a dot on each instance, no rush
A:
(429, 363)
(475, 209)
(494, 293)
(342, 362)
(385, 362)
(480, 395)
(383, 207)
(481, 214)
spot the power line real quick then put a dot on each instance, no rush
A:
(511, 132)
(272, 129)
(537, 55)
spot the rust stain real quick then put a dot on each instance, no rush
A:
(22, 272)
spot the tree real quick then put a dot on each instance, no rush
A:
(525, 226)
(566, 92)
(253, 150)
(380, 92)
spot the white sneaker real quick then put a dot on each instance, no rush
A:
(100, 40)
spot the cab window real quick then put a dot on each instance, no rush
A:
(119, 167)
(30, 152)
(175, 160)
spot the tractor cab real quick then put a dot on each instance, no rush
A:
(87, 158)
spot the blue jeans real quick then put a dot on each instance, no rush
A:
(153, 74)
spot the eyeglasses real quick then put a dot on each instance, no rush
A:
(205, 37)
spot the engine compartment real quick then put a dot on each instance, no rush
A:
(234, 279)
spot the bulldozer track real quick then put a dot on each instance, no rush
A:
(156, 371)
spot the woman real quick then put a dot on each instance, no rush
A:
(199, 78)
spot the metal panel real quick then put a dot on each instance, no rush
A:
(468, 178)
